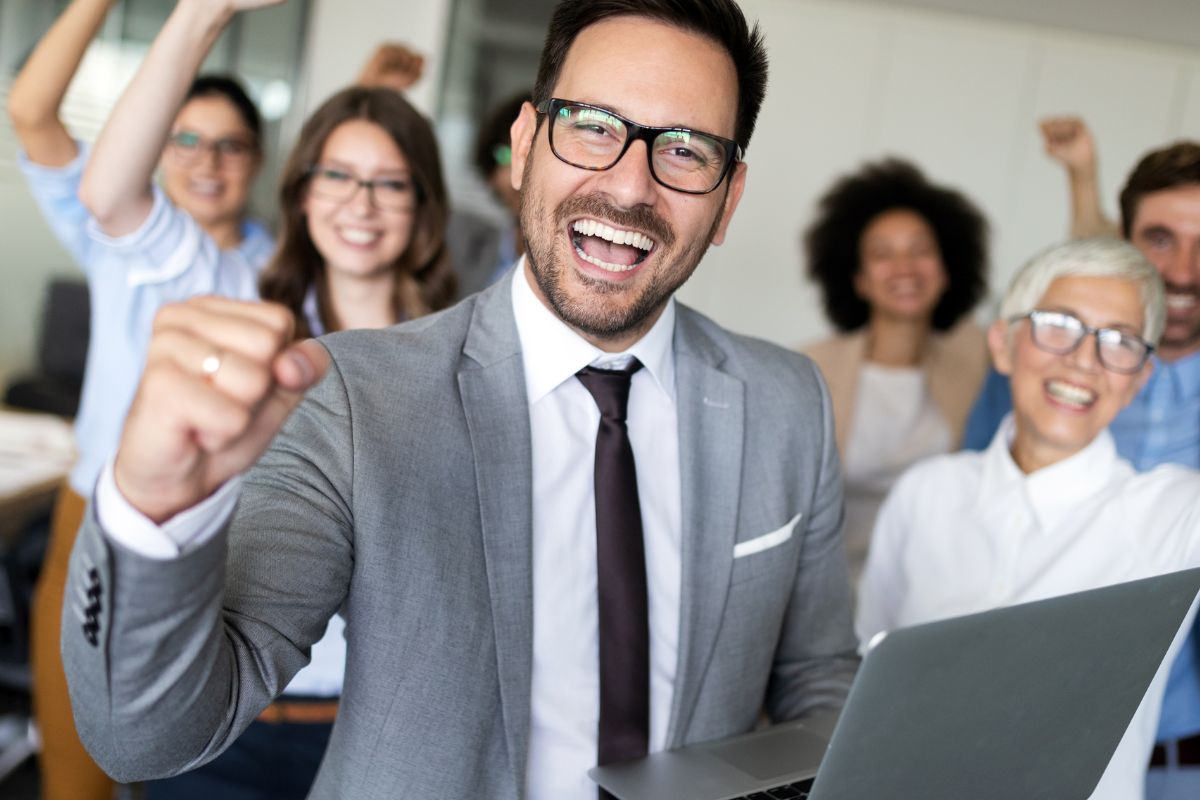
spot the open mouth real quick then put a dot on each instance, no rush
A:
(611, 249)
(1181, 301)
(1070, 395)
(359, 237)
(206, 188)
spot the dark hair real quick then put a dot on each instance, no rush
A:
(832, 242)
(719, 20)
(1166, 168)
(424, 280)
(229, 88)
(494, 133)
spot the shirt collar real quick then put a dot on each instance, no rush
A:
(553, 353)
(1051, 492)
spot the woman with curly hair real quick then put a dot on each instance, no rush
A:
(900, 262)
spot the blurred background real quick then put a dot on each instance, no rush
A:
(954, 85)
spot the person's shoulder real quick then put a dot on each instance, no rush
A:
(746, 357)
(433, 337)
(940, 474)
(1165, 484)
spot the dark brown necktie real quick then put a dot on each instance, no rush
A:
(621, 576)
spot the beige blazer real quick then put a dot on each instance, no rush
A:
(955, 362)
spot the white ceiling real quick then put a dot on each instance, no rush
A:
(1175, 22)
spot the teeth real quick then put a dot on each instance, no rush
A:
(591, 227)
(206, 187)
(355, 236)
(604, 265)
(1180, 301)
(1075, 395)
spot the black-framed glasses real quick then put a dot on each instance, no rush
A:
(594, 138)
(189, 146)
(340, 185)
(1060, 333)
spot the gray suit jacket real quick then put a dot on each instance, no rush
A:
(399, 492)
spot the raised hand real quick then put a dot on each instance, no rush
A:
(221, 377)
(392, 66)
(1068, 141)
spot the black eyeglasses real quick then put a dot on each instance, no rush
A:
(187, 146)
(334, 183)
(1060, 333)
(590, 137)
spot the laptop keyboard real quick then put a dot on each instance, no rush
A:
(792, 791)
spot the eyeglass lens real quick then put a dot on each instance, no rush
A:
(682, 159)
(1061, 333)
(394, 194)
(188, 146)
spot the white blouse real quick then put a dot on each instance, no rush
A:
(896, 423)
(970, 531)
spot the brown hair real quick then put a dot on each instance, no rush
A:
(424, 279)
(1176, 165)
(718, 20)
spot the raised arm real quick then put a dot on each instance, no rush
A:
(116, 185)
(37, 93)
(1069, 142)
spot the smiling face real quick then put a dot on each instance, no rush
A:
(213, 189)
(1166, 228)
(608, 248)
(355, 236)
(1062, 402)
(900, 273)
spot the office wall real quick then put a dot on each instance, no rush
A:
(850, 81)
(956, 94)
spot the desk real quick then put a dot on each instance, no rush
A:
(36, 453)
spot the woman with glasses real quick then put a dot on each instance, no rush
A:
(363, 208)
(1049, 508)
(208, 168)
(900, 263)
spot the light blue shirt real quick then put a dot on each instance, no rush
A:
(169, 258)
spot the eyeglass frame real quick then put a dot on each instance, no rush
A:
(638, 132)
(207, 145)
(368, 183)
(1086, 330)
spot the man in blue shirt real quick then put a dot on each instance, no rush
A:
(1160, 215)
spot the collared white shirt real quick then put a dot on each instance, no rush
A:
(564, 420)
(970, 531)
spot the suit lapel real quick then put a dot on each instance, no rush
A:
(492, 383)
(711, 429)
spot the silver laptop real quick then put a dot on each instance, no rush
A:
(1025, 701)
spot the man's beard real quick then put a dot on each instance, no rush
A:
(590, 315)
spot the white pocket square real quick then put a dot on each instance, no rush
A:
(767, 540)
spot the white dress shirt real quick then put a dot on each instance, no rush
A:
(970, 531)
(564, 420)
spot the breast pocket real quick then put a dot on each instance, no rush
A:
(760, 555)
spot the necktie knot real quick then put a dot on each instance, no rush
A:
(609, 388)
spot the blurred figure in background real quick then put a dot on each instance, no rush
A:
(362, 245)
(208, 167)
(1160, 216)
(900, 262)
(1050, 507)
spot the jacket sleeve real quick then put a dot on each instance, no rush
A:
(167, 662)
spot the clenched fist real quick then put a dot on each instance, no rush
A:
(221, 377)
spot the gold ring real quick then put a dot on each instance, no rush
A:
(211, 363)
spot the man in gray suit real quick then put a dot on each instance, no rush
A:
(447, 485)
